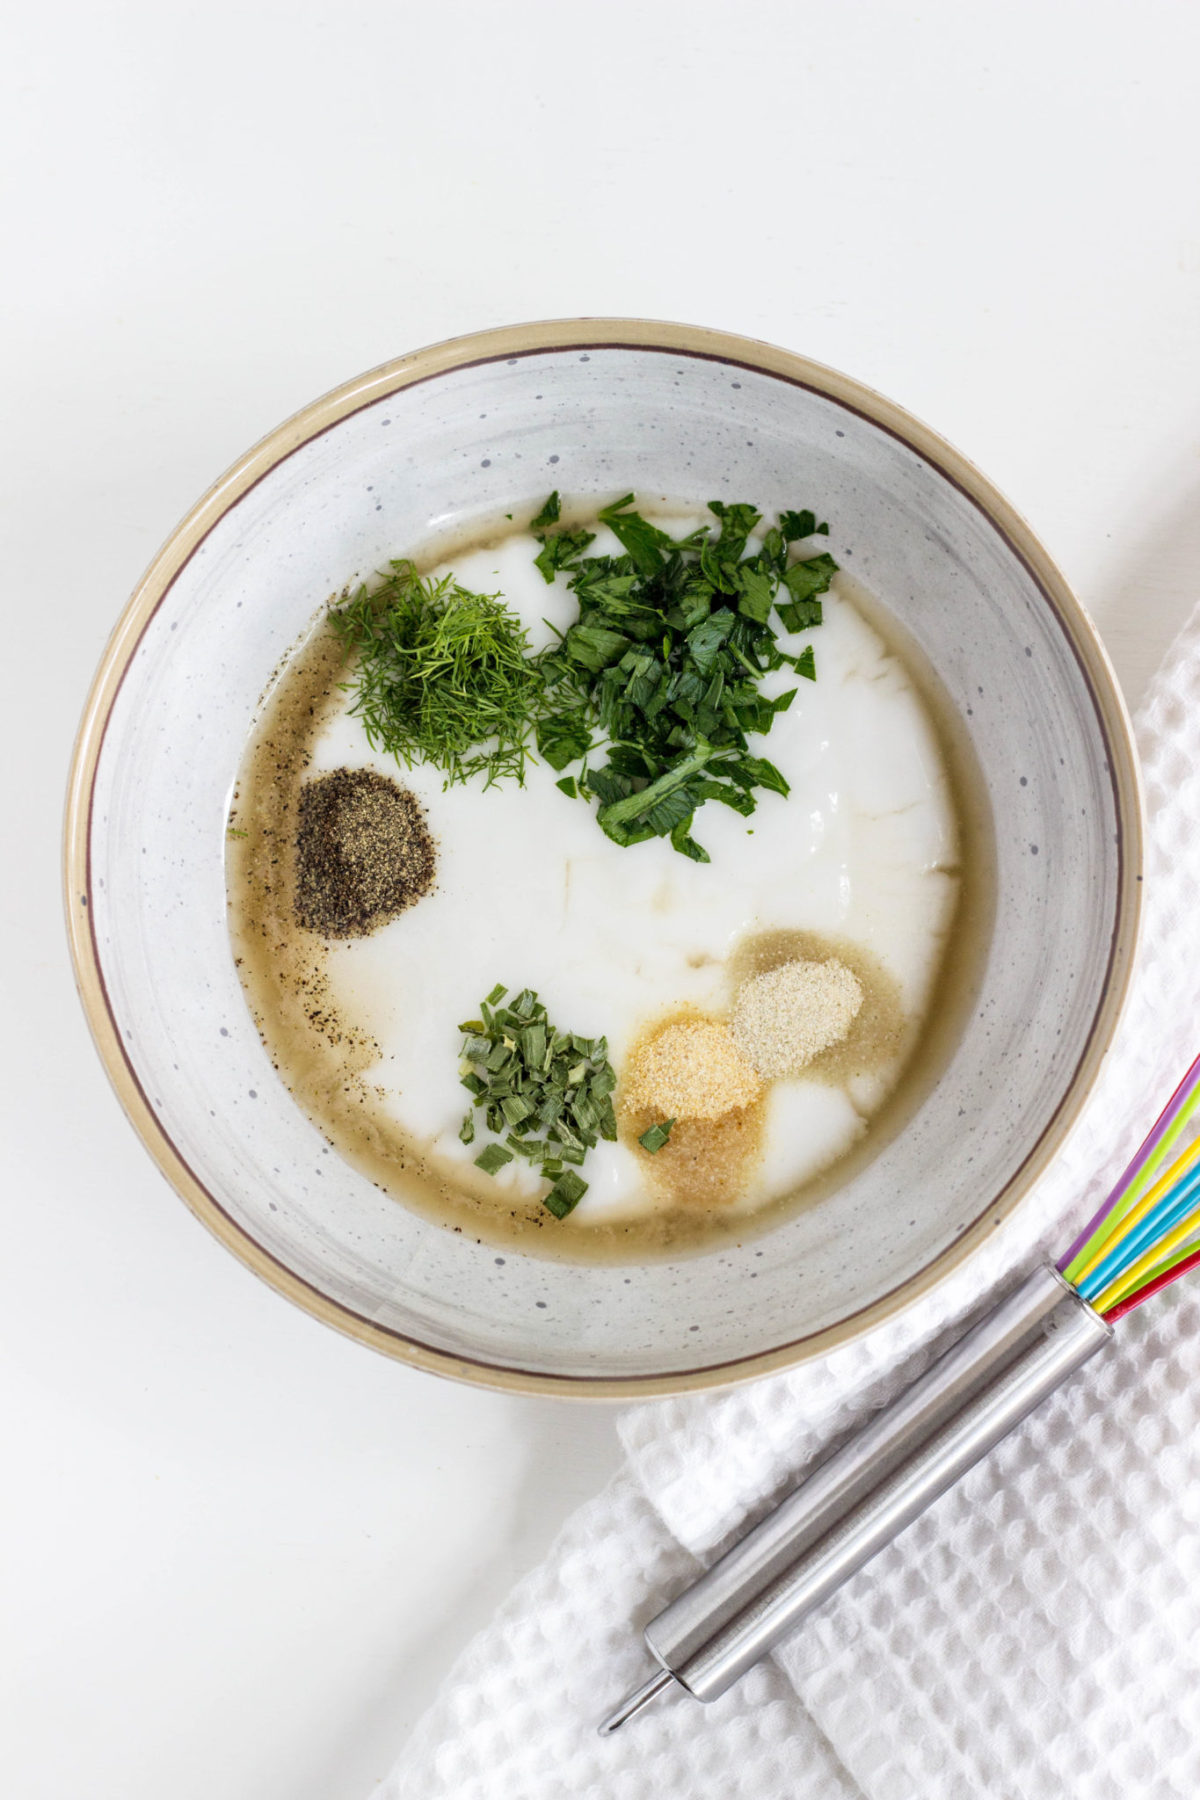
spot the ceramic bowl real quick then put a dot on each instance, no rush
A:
(487, 424)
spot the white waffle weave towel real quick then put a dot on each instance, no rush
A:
(1035, 1636)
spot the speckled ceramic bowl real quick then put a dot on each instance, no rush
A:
(487, 424)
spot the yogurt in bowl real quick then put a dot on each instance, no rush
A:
(425, 455)
(860, 867)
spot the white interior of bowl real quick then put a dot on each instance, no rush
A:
(494, 437)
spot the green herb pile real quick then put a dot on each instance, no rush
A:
(654, 690)
(662, 671)
(548, 1093)
(444, 676)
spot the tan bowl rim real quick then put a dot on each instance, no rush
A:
(524, 340)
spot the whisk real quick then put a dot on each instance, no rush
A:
(1144, 1236)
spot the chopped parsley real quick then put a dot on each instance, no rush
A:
(546, 1093)
(658, 681)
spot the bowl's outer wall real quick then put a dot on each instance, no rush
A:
(486, 425)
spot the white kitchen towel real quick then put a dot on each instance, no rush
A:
(1036, 1636)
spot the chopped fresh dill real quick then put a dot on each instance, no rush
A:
(442, 676)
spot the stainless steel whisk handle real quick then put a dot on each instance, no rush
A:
(860, 1497)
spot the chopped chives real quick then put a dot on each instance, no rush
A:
(493, 1158)
(546, 1092)
(566, 1194)
(654, 1139)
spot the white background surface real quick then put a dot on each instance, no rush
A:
(238, 1552)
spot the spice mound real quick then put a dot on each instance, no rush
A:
(786, 1017)
(692, 1070)
(363, 853)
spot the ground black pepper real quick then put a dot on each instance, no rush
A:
(363, 853)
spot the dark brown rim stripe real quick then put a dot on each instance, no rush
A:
(513, 344)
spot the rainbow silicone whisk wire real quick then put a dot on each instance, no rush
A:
(1146, 1235)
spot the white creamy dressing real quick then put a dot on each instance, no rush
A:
(531, 893)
